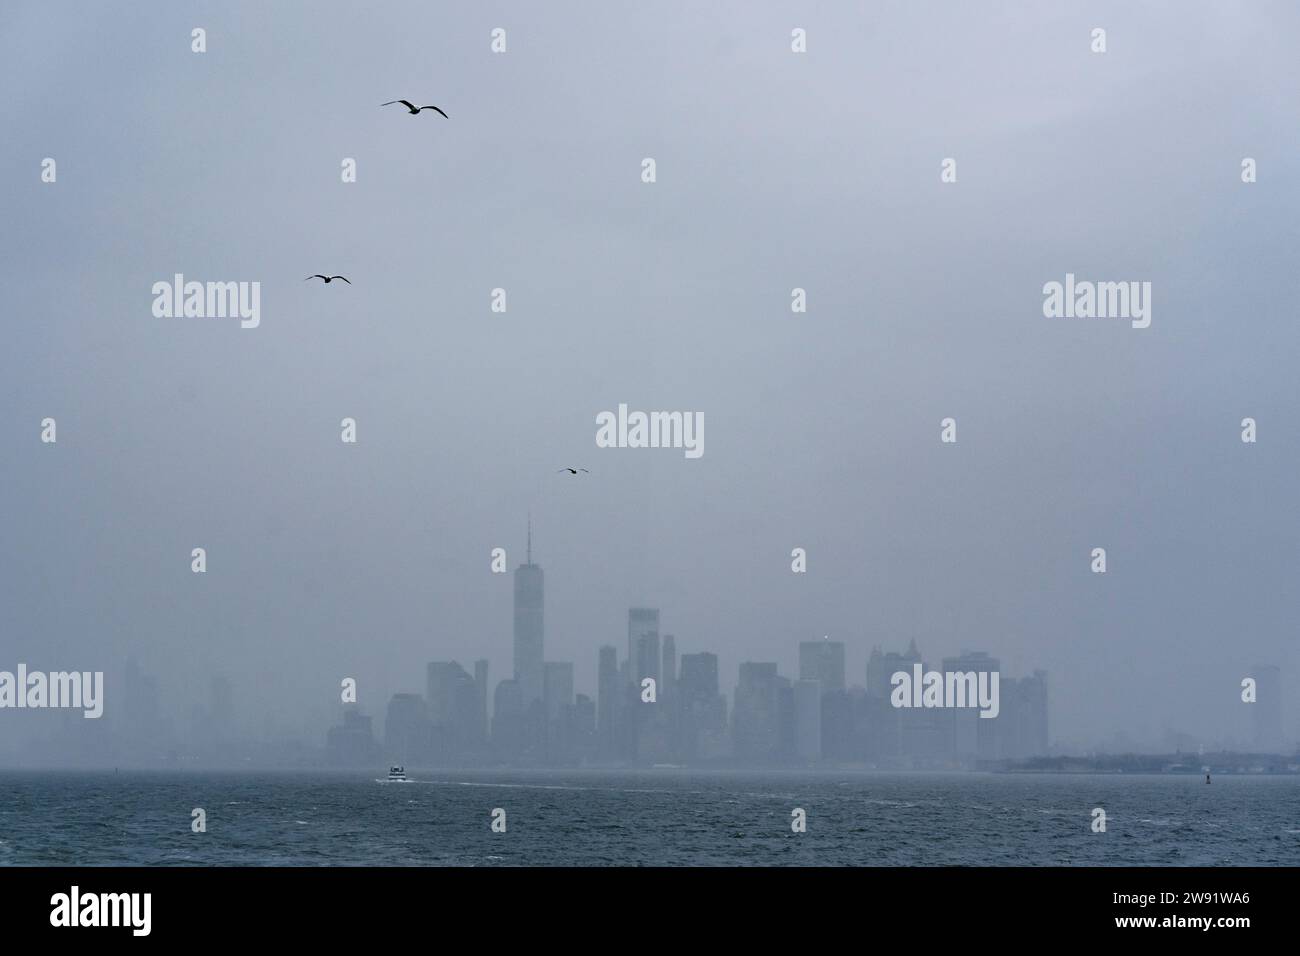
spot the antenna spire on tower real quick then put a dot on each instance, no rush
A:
(530, 537)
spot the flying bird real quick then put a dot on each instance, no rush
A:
(415, 109)
(328, 279)
(573, 471)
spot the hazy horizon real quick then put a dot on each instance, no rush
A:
(775, 171)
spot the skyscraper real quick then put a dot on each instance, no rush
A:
(641, 622)
(454, 709)
(1022, 722)
(444, 681)
(893, 732)
(647, 661)
(699, 678)
(530, 665)
(808, 720)
(508, 720)
(968, 736)
(481, 702)
(406, 728)
(609, 697)
(882, 667)
(352, 743)
(558, 687)
(668, 675)
(703, 732)
(756, 712)
(822, 661)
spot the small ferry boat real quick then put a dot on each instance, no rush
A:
(396, 774)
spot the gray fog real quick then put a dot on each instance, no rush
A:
(775, 170)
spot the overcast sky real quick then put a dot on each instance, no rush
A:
(775, 170)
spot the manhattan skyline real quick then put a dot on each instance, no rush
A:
(815, 176)
(448, 713)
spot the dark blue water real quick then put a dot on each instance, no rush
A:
(646, 818)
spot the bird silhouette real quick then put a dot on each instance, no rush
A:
(415, 110)
(328, 279)
(573, 471)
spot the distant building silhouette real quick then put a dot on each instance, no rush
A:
(610, 696)
(407, 729)
(970, 737)
(808, 720)
(668, 669)
(558, 688)
(582, 730)
(1022, 724)
(702, 709)
(454, 712)
(643, 735)
(481, 702)
(758, 713)
(822, 661)
(529, 627)
(352, 743)
(509, 735)
(642, 622)
(538, 718)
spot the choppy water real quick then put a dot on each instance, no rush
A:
(646, 818)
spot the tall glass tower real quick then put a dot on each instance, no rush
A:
(529, 629)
